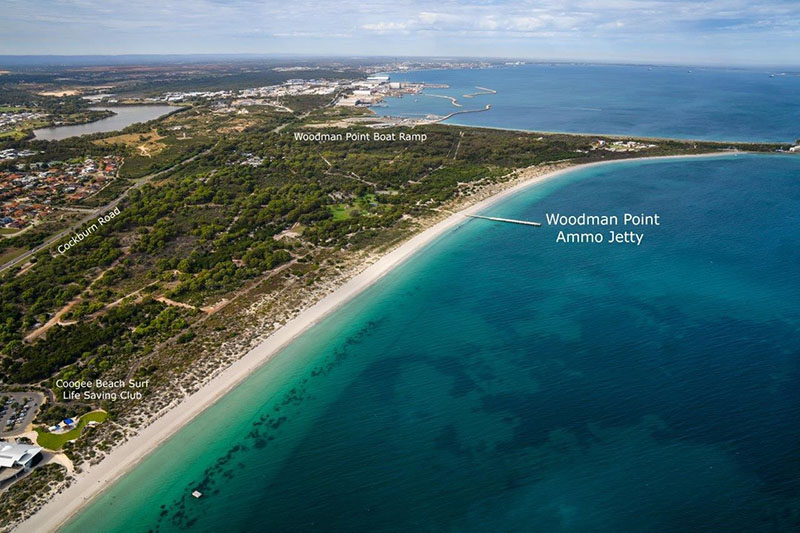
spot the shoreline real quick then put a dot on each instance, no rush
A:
(95, 480)
(618, 136)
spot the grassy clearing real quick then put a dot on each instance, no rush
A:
(13, 135)
(342, 211)
(146, 143)
(55, 442)
(10, 253)
(8, 231)
(361, 205)
(171, 151)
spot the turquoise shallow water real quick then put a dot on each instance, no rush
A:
(674, 102)
(500, 381)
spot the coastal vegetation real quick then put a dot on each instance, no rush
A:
(29, 493)
(227, 226)
(198, 233)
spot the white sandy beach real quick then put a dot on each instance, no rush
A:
(93, 481)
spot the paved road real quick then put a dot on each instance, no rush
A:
(96, 213)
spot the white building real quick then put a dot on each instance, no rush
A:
(12, 454)
(16, 459)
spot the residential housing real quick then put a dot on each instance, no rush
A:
(32, 191)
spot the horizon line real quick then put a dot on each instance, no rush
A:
(396, 57)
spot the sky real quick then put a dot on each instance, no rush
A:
(722, 32)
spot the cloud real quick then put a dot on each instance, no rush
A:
(478, 21)
(470, 27)
(635, 16)
(382, 27)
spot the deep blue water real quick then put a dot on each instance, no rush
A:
(690, 103)
(500, 381)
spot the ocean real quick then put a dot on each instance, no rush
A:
(502, 381)
(676, 102)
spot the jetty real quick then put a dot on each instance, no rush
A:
(454, 113)
(509, 220)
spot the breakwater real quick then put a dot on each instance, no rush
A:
(481, 91)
